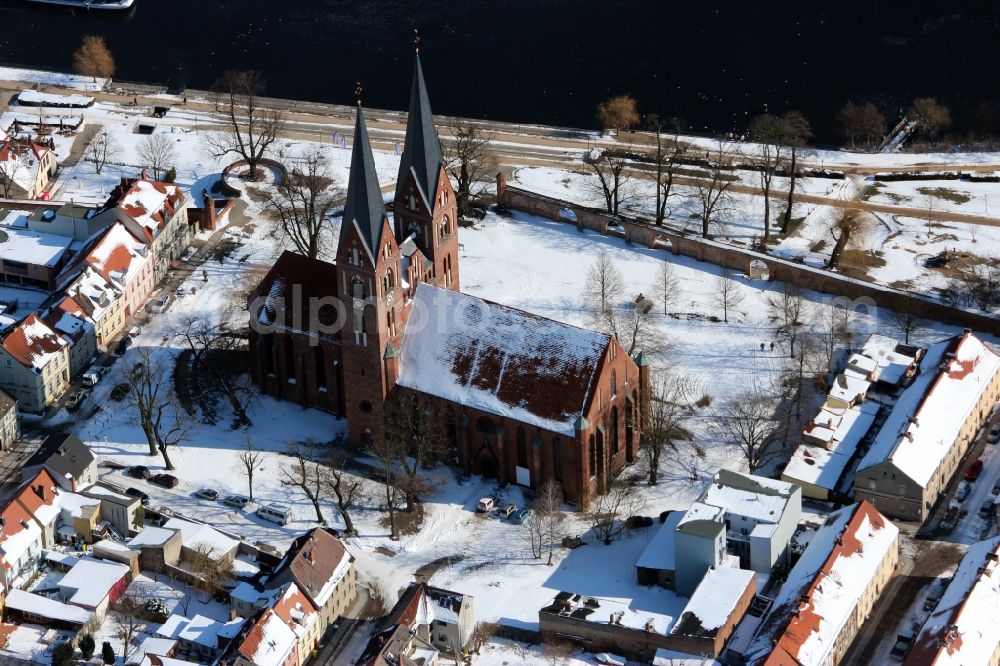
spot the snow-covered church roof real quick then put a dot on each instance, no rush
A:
(498, 359)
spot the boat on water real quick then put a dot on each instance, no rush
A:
(88, 4)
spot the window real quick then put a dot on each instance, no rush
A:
(357, 287)
(614, 383)
(557, 461)
(593, 457)
(522, 448)
(289, 359)
(320, 359)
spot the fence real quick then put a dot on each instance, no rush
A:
(728, 256)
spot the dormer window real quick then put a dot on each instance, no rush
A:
(354, 257)
(411, 202)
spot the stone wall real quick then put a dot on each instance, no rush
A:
(736, 258)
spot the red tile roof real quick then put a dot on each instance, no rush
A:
(32, 338)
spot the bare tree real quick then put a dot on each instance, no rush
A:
(215, 356)
(832, 327)
(605, 283)
(304, 204)
(609, 512)
(619, 112)
(549, 505)
(385, 452)
(163, 421)
(807, 364)
(250, 129)
(635, 328)
(796, 132)
(728, 294)
(779, 138)
(14, 170)
(932, 116)
(907, 320)
(746, 422)
(669, 408)
(305, 474)
(666, 285)
(93, 58)
(787, 308)
(470, 162)
(209, 569)
(251, 461)
(712, 190)
(128, 619)
(157, 152)
(848, 221)
(481, 635)
(413, 427)
(860, 124)
(535, 529)
(103, 149)
(344, 488)
(613, 180)
(666, 159)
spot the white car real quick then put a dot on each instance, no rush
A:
(486, 504)
(610, 659)
(160, 304)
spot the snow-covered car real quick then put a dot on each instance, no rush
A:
(610, 659)
(208, 494)
(506, 510)
(904, 642)
(237, 501)
(520, 516)
(164, 480)
(138, 472)
(160, 303)
(135, 492)
(75, 400)
(994, 435)
(486, 504)
(964, 489)
(987, 509)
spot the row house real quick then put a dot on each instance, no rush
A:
(34, 364)
(126, 262)
(27, 525)
(284, 634)
(10, 422)
(102, 301)
(26, 167)
(69, 320)
(154, 212)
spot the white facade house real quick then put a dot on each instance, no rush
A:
(34, 364)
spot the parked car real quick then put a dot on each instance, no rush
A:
(904, 642)
(208, 494)
(160, 303)
(635, 522)
(122, 346)
(90, 379)
(276, 513)
(75, 400)
(165, 480)
(609, 659)
(964, 489)
(974, 470)
(486, 504)
(119, 392)
(138, 472)
(506, 510)
(986, 509)
(237, 501)
(520, 516)
(994, 435)
(134, 331)
(135, 492)
(934, 596)
(996, 488)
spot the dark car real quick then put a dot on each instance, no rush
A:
(123, 346)
(138, 472)
(635, 522)
(902, 645)
(119, 392)
(135, 492)
(974, 470)
(987, 510)
(165, 480)
(208, 493)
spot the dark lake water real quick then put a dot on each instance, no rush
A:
(715, 64)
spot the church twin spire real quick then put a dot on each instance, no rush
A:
(364, 208)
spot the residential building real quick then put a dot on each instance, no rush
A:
(125, 261)
(158, 547)
(70, 462)
(68, 319)
(27, 525)
(320, 567)
(426, 622)
(27, 607)
(543, 401)
(201, 636)
(154, 212)
(102, 301)
(72, 219)
(830, 591)
(713, 612)
(29, 258)
(25, 168)
(930, 428)
(284, 634)
(94, 584)
(10, 422)
(34, 364)
(201, 540)
(123, 512)
(964, 627)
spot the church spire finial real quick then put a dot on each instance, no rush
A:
(358, 90)
(416, 40)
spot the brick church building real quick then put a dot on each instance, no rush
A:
(526, 399)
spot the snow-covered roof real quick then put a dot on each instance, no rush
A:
(927, 417)
(155, 646)
(665, 657)
(699, 512)
(498, 359)
(90, 581)
(659, 552)
(849, 387)
(28, 602)
(269, 641)
(150, 536)
(103, 492)
(823, 467)
(892, 363)
(604, 610)
(31, 247)
(33, 344)
(965, 626)
(822, 590)
(199, 629)
(862, 363)
(756, 497)
(150, 203)
(199, 535)
(36, 98)
(713, 602)
(117, 255)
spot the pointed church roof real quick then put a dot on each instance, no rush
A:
(422, 150)
(364, 208)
